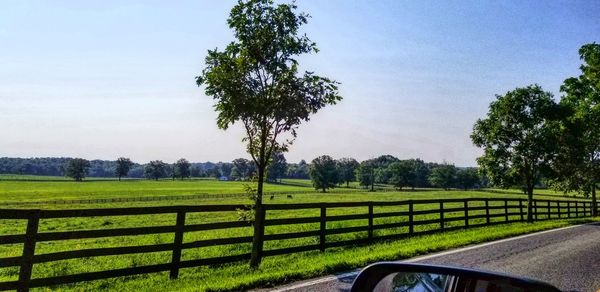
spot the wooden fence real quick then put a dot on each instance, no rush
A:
(441, 217)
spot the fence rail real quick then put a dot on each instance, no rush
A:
(461, 214)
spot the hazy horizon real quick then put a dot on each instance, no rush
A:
(100, 80)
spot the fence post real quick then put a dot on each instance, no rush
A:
(487, 211)
(370, 220)
(548, 207)
(28, 251)
(505, 210)
(442, 215)
(576, 208)
(177, 242)
(558, 209)
(410, 217)
(521, 209)
(535, 209)
(322, 228)
(466, 204)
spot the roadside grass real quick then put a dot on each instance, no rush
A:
(282, 269)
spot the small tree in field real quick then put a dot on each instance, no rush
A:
(443, 176)
(365, 174)
(277, 167)
(123, 167)
(77, 168)
(324, 173)
(347, 170)
(255, 81)
(181, 169)
(155, 169)
(403, 174)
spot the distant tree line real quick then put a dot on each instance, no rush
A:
(326, 173)
(78, 169)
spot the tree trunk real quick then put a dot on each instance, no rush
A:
(594, 210)
(119, 178)
(529, 203)
(259, 222)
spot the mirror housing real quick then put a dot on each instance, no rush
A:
(388, 276)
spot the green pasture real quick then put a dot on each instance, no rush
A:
(17, 188)
(237, 276)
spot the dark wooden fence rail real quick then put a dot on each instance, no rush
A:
(448, 214)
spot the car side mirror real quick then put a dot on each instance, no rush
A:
(405, 277)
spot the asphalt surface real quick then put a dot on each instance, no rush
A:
(568, 259)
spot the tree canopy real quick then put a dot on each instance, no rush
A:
(347, 170)
(577, 166)
(155, 169)
(181, 169)
(517, 138)
(277, 167)
(324, 173)
(123, 166)
(77, 168)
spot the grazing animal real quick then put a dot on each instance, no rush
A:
(272, 197)
(289, 196)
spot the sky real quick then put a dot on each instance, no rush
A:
(104, 79)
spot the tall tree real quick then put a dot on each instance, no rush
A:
(443, 176)
(77, 168)
(123, 166)
(578, 163)
(181, 169)
(347, 170)
(324, 173)
(155, 169)
(255, 81)
(516, 137)
(277, 167)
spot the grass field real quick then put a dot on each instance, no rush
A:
(234, 276)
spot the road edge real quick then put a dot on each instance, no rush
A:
(355, 272)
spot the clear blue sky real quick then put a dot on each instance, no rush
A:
(102, 79)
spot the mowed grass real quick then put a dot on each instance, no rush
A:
(237, 276)
(18, 188)
(40, 190)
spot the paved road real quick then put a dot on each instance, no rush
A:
(568, 258)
